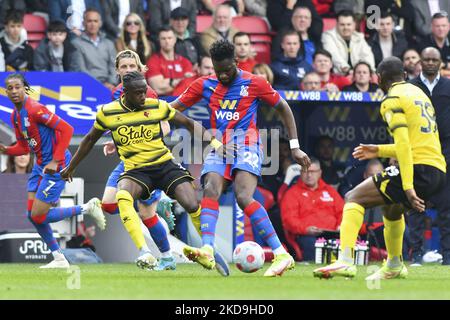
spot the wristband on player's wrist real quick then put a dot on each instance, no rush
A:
(294, 144)
(216, 144)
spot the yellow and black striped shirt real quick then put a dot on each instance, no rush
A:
(137, 133)
(408, 107)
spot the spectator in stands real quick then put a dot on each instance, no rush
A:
(166, 69)
(300, 22)
(17, 52)
(387, 42)
(188, 44)
(244, 54)
(311, 82)
(310, 207)
(347, 45)
(440, 39)
(37, 7)
(332, 171)
(323, 65)
(264, 70)
(95, 52)
(55, 53)
(220, 29)
(410, 59)
(19, 164)
(205, 68)
(133, 37)
(72, 12)
(159, 12)
(279, 13)
(209, 6)
(361, 79)
(115, 13)
(290, 67)
(256, 8)
(423, 11)
(401, 10)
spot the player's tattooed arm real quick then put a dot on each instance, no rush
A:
(288, 119)
(85, 147)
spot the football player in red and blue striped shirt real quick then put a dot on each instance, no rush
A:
(233, 97)
(48, 136)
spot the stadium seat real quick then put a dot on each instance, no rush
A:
(36, 27)
(290, 238)
(328, 23)
(262, 52)
(251, 24)
(203, 23)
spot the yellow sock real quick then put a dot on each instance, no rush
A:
(393, 236)
(352, 221)
(195, 217)
(130, 218)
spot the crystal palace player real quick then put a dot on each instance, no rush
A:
(234, 97)
(410, 118)
(48, 137)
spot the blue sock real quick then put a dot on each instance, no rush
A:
(58, 214)
(46, 233)
(208, 220)
(158, 233)
(260, 220)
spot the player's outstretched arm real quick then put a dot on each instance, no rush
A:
(198, 130)
(288, 120)
(85, 147)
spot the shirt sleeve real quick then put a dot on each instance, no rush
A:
(46, 117)
(99, 123)
(394, 115)
(193, 94)
(170, 112)
(265, 92)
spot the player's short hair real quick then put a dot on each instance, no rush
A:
(14, 16)
(240, 34)
(131, 77)
(57, 26)
(221, 50)
(21, 78)
(363, 63)
(322, 52)
(133, 55)
(346, 13)
(391, 68)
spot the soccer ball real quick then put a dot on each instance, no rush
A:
(249, 256)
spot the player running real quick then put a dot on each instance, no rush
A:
(410, 118)
(134, 124)
(233, 97)
(128, 61)
(48, 136)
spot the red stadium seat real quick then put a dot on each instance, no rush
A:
(262, 52)
(251, 24)
(203, 23)
(328, 23)
(36, 27)
(260, 38)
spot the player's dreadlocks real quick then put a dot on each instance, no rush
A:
(221, 50)
(130, 77)
(21, 78)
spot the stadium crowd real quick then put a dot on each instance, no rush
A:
(311, 45)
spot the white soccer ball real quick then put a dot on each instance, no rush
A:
(249, 256)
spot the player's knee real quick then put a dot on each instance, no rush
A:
(211, 192)
(191, 206)
(36, 219)
(243, 200)
(123, 195)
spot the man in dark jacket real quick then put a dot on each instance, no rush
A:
(387, 42)
(290, 67)
(55, 53)
(438, 89)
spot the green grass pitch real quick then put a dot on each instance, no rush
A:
(189, 281)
